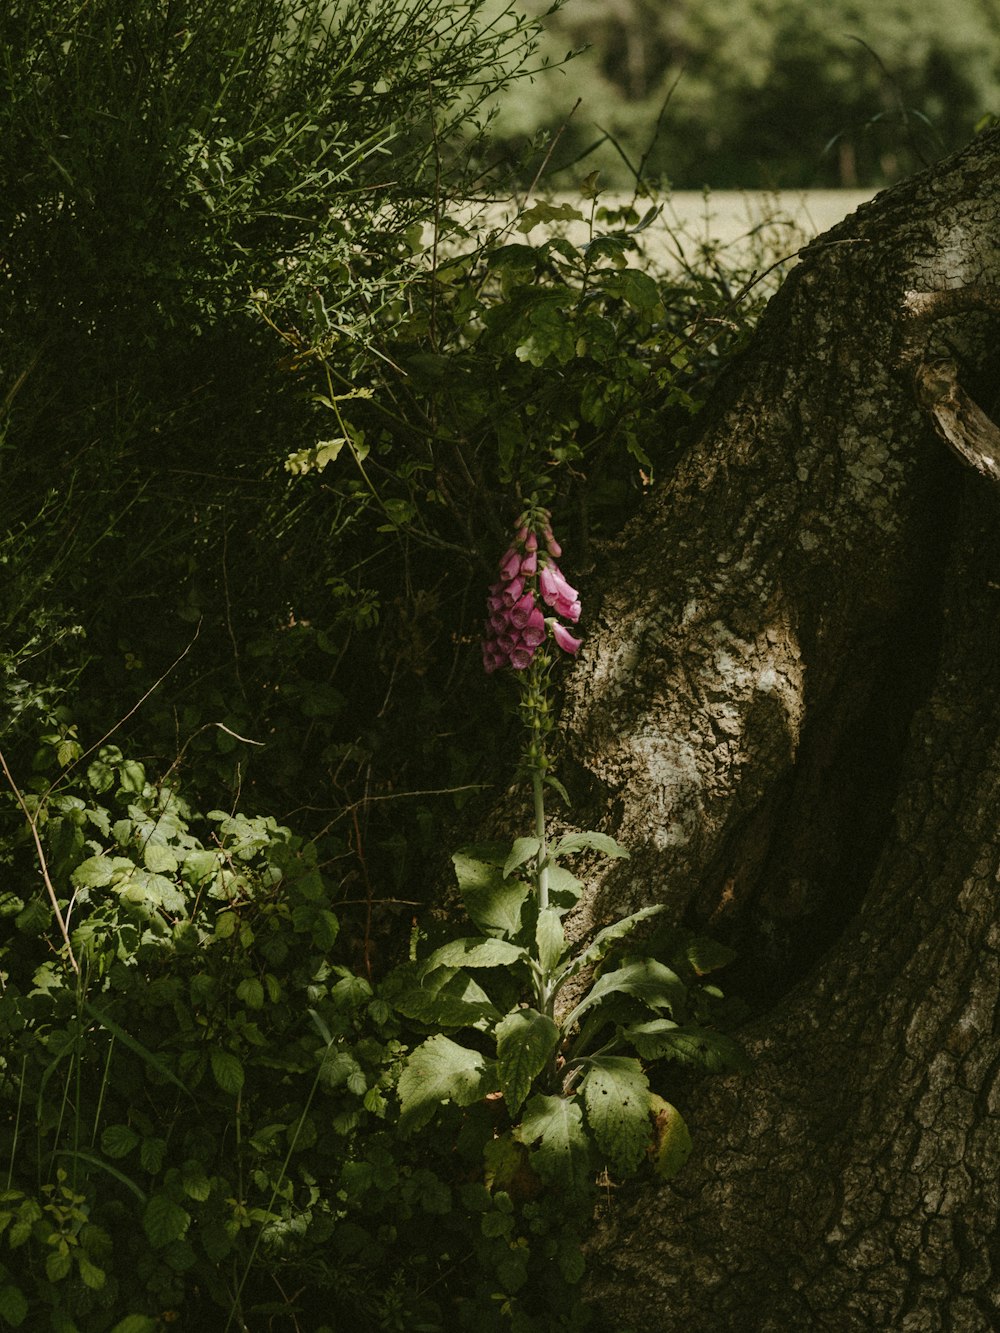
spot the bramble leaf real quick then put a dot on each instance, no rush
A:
(164, 1221)
(227, 1071)
(525, 1040)
(562, 1153)
(439, 1071)
(616, 1095)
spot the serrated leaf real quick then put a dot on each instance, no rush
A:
(671, 1140)
(616, 1095)
(656, 985)
(553, 1126)
(493, 902)
(446, 997)
(194, 1181)
(550, 941)
(94, 873)
(603, 940)
(91, 1276)
(525, 1041)
(159, 858)
(227, 1071)
(133, 777)
(136, 1323)
(524, 849)
(152, 1153)
(579, 842)
(440, 1071)
(164, 1221)
(58, 1264)
(475, 953)
(251, 992)
(118, 1140)
(564, 888)
(703, 1047)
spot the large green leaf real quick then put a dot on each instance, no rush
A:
(446, 997)
(525, 1040)
(554, 1127)
(564, 888)
(616, 1095)
(164, 1220)
(661, 1039)
(441, 1071)
(476, 953)
(493, 902)
(550, 940)
(524, 849)
(603, 940)
(648, 980)
(578, 842)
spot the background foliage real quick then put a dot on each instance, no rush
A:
(764, 93)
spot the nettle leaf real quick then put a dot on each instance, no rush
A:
(441, 1071)
(604, 939)
(703, 1047)
(525, 1041)
(554, 1127)
(524, 849)
(164, 1221)
(596, 842)
(672, 1141)
(446, 997)
(550, 941)
(476, 953)
(493, 902)
(616, 1095)
(649, 981)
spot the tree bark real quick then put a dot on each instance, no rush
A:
(790, 711)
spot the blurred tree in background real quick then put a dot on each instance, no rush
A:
(764, 93)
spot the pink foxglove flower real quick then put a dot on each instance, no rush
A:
(516, 627)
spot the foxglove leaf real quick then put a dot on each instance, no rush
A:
(525, 1041)
(616, 1095)
(440, 1071)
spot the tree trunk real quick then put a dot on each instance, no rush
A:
(789, 709)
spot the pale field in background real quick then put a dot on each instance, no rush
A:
(744, 227)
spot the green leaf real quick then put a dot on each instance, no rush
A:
(194, 1181)
(616, 1095)
(133, 777)
(493, 902)
(579, 842)
(525, 1041)
(550, 941)
(564, 888)
(707, 955)
(672, 1142)
(649, 981)
(661, 1039)
(446, 997)
(91, 1276)
(251, 992)
(96, 872)
(136, 1323)
(524, 849)
(603, 940)
(227, 1070)
(441, 1071)
(152, 1153)
(546, 212)
(164, 1221)
(13, 1305)
(58, 1264)
(118, 1140)
(476, 953)
(159, 858)
(554, 1126)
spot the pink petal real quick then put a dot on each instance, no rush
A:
(566, 641)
